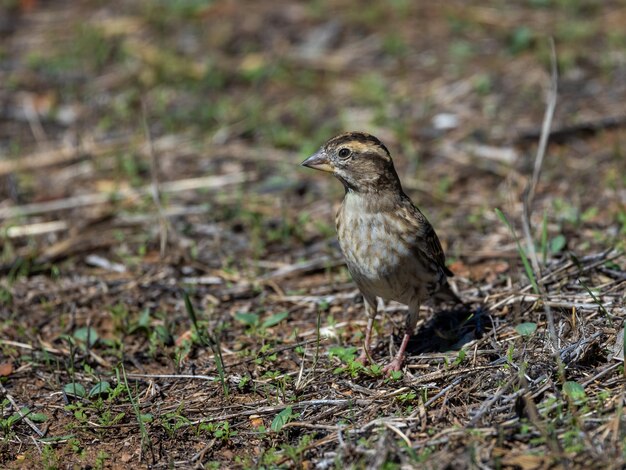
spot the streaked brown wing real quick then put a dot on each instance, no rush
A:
(433, 246)
(427, 242)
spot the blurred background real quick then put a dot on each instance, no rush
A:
(147, 146)
(235, 94)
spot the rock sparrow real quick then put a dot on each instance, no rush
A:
(390, 248)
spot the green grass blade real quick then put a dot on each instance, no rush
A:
(145, 438)
(527, 267)
(597, 302)
(544, 238)
(208, 340)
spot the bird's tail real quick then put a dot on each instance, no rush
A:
(446, 294)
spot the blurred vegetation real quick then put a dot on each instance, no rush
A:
(247, 89)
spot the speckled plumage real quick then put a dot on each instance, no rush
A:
(379, 265)
(391, 249)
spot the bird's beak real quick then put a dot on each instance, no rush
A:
(319, 161)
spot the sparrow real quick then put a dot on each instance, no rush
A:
(390, 248)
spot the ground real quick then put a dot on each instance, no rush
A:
(172, 293)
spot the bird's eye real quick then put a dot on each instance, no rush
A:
(344, 153)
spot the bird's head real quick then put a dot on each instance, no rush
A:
(359, 160)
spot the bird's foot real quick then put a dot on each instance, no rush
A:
(364, 358)
(394, 365)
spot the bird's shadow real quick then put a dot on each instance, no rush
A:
(449, 330)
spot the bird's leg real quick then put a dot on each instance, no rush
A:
(370, 308)
(411, 321)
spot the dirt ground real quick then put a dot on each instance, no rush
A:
(172, 294)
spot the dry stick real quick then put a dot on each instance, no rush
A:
(174, 143)
(488, 403)
(200, 455)
(540, 281)
(32, 425)
(64, 154)
(172, 376)
(547, 123)
(43, 228)
(530, 195)
(203, 182)
(273, 409)
(443, 392)
(273, 351)
(32, 115)
(533, 415)
(154, 174)
(450, 373)
(40, 228)
(31, 347)
(602, 373)
(558, 303)
(300, 267)
(398, 432)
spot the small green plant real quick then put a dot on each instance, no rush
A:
(347, 355)
(5, 296)
(281, 419)
(344, 354)
(253, 320)
(79, 411)
(461, 50)
(86, 337)
(296, 452)
(121, 317)
(395, 375)
(526, 328)
(573, 440)
(220, 430)
(223, 431)
(459, 358)
(172, 422)
(375, 370)
(75, 389)
(110, 418)
(49, 458)
(509, 354)
(598, 302)
(263, 354)
(271, 457)
(7, 424)
(574, 391)
(100, 389)
(141, 418)
(520, 40)
(76, 447)
(101, 458)
(407, 397)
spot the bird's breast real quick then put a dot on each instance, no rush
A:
(377, 253)
(369, 245)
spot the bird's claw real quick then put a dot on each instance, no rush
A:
(363, 359)
(393, 366)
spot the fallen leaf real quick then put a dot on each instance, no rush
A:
(6, 369)
(487, 271)
(227, 454)
(28, 5)
(256, 421)
(185, 336)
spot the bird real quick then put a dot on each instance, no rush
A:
(390, 248)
